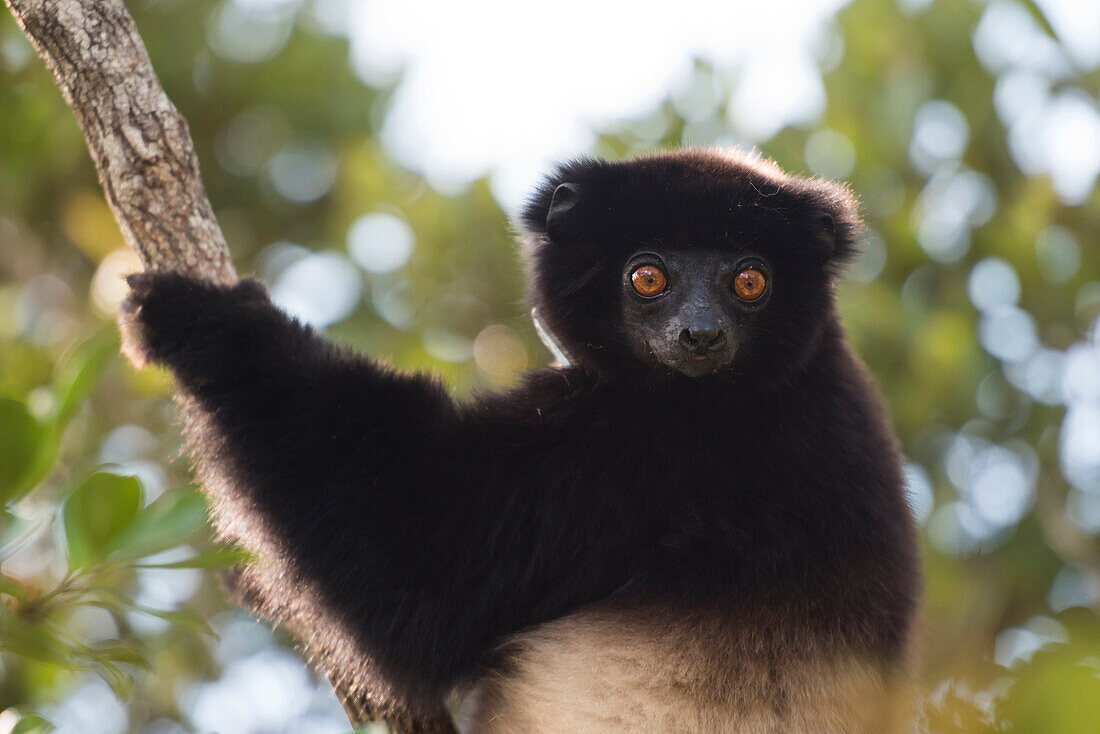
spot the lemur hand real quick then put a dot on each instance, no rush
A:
(166, 313)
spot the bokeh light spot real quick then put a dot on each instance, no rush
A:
(249, 32)
(1008, 333)
(993, 282)
(500, 354)
(380, 242)
(319, 289)
(940, 134)
(109, 282)
(303, 172)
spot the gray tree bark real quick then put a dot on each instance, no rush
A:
(139, 142)
(144, 156)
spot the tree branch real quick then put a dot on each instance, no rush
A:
(139, 142)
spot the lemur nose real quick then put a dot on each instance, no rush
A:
(702, 341)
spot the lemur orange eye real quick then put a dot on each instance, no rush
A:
(749, 284)
(649, 281)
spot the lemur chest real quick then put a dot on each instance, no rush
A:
(641, 671)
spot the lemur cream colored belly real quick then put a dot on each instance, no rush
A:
(600, 670)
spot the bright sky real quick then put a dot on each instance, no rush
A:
(506, 86)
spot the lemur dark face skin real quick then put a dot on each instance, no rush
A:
(691, 310)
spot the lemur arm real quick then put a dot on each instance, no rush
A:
(432, 528)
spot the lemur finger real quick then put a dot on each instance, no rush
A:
(134, 345)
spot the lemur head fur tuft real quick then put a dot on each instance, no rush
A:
(689, 263)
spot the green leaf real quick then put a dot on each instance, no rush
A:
(33, 724)
(36, 643)
(105, 597)
(182, 618)
(12, 588)
(96, 513)
(119, 652)
(216, 558)
(78, 373)
(172, 519)
(21, 438)
(119, 681)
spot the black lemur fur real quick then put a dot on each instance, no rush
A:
(404, 536)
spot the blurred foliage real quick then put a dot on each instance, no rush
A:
(973, 304)
(108, 532)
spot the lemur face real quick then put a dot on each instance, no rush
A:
(690, 310)
(687, 264)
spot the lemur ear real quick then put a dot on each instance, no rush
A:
(562, 205)
(832, 221)
(825, 230)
